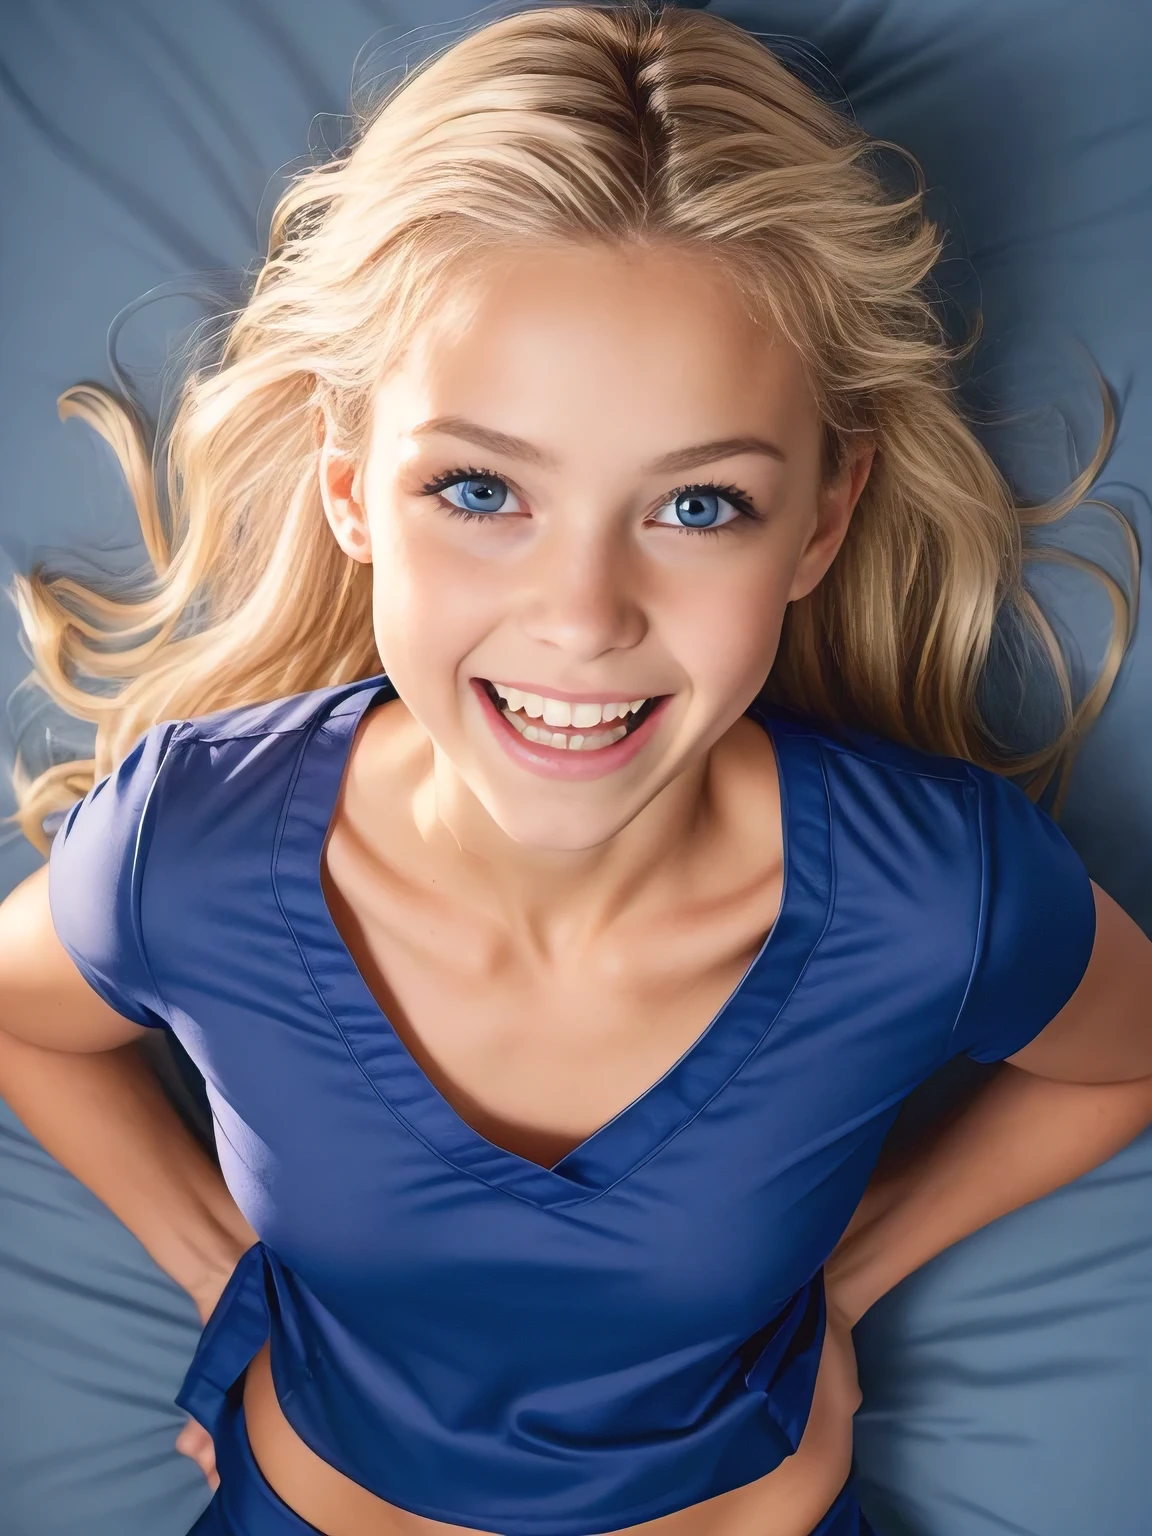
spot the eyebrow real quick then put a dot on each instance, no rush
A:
(668, 463)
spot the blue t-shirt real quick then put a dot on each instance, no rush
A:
(568, 1350)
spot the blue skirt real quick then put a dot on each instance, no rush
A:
(245, 1505)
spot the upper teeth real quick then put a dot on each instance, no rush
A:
(560, 712)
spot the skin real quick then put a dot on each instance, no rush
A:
(486, 902)
(580, 588)
(544, 890)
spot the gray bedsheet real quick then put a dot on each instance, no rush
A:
(1009, 1384)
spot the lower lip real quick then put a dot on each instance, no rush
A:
(562, 762)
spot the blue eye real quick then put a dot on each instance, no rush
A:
(699, 506)
(484, 494)
(693, 508)
(698, 510)
(480, 494)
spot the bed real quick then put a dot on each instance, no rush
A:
(1008, 1385)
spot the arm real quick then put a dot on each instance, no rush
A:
(1068, 1101)
(71, 1072)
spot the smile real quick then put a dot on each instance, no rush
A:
(568, 726)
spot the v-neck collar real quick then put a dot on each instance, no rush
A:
(643, 1126)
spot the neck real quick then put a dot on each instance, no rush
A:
(561, 898)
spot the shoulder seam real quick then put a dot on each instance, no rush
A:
(328, 702)
(962, 776)
(201, 738)
(139, 866)
(982, 913)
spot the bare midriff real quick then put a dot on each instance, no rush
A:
(790, 1501)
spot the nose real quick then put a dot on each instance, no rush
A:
(585, 597)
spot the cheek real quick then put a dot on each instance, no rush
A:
(429, 611)
(725, 633)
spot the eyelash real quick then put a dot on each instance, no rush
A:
(730, 493)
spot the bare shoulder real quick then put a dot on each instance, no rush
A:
(43, 997)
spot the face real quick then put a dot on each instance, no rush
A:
(587, 501)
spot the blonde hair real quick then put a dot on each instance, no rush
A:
(564, 123)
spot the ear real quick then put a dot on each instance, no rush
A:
(836, 501)
(340, 491)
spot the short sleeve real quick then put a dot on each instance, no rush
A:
(95, 873)
(1036, 927)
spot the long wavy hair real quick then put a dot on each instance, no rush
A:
(601, 123)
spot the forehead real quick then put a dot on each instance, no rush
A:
(637, 342)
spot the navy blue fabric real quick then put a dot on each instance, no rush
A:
(104, 936)
(474, 1337)
(245, 1505)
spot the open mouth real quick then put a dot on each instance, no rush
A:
(580, 727)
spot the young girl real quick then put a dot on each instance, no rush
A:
(555, 981)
